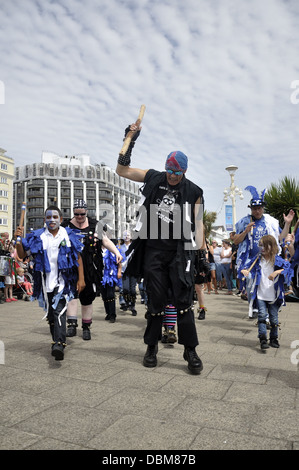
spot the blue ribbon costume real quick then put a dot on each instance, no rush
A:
(284, 278)
(110, 269)
(67, 264)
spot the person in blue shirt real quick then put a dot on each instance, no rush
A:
(251, 228)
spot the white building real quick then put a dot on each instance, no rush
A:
(60, 180)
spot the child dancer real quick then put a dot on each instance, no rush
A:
(58, 271)
(268, 273)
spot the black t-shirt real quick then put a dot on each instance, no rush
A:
(164, 216)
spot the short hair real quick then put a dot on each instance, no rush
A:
(54, 208)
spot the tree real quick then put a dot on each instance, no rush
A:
(282, 197)
(208, 219)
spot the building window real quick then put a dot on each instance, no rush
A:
(3, 221)
(4, 207)
(3, 179)
(3, 193)
(4, 166)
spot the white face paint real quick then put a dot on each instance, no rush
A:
(52, 219)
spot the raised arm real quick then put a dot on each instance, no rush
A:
(123, 165)
(134, 174)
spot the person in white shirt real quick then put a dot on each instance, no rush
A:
(58, 271)
(226, 259)
(267, 274)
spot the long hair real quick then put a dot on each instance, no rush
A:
(270, 245)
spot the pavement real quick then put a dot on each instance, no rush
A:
(101, 397)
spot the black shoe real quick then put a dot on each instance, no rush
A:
(107, 317)
(123, 307)
(169, 336)
(150, 358)
(274, 343)
(194, 363)
(164, 338)
(263, 342)
(112, 319)
(58, 351)
(71, 328)
(201, 313)
(86, 333)
(134, 312)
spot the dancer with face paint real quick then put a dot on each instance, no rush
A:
(58, 271)
(164, 253)
(93, 237)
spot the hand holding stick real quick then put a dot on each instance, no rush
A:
(21, 223)
(249, 269)
(131, 133)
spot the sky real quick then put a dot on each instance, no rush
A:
(219, 79)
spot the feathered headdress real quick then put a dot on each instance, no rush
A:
(257, 200)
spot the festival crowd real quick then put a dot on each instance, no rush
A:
(166, 257)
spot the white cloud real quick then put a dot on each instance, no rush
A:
(215, 77)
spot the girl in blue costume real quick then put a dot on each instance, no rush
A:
(58, 271)
(267, 274)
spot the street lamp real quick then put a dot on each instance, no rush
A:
(232, 191)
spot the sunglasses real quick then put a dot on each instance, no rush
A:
(177, 173)
(76, 214)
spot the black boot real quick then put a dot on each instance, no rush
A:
(58, 351)
(194, 363)
(150, 358)
(71, 328)
(274, 343)
(86, 331)
(201, 313)
(263, 342)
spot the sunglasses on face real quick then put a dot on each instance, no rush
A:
(76, 214)
(177, 173)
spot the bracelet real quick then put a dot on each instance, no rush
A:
(124, 160)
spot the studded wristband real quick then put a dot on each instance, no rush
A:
(124, 160)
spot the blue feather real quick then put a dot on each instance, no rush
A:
(253, 191)
(263, 194)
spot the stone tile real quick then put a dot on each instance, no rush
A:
(142, 433)
(206, 413)
(261, 394)
(16, 406)
(234, 372)
(75, 424)
(13, 439)
(213, 439)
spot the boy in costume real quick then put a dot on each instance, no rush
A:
(58, 271)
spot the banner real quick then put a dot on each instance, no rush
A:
(229, 218)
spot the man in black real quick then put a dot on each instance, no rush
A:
(169, 230)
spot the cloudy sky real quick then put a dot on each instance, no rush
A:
(215, 76)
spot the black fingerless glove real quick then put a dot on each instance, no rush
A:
(125, 160)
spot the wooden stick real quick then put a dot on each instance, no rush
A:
(250, 268)
(130, 134)
(21, 222)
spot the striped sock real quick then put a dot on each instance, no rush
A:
(170, 316)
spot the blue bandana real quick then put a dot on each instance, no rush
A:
(176, 161)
